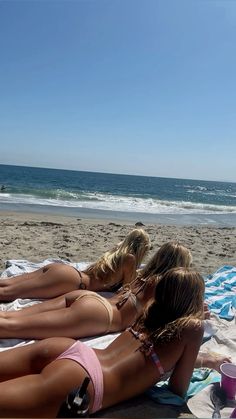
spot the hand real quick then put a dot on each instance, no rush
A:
(206, 311)
(213, 360)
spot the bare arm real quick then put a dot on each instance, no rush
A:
(211, 360)
(180, 379)
(129, 269)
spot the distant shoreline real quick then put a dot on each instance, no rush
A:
(215, 220)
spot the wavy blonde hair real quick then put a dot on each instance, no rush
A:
(170, 255)
(136, 243)
(178, 301)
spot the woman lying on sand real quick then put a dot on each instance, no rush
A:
(115, 268)
(85, 313)
(36, 378)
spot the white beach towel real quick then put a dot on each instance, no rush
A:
(17, 267)
(220, 334)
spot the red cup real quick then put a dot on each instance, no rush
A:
(228, 379)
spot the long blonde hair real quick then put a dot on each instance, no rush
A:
(136, 243)
(170, 255)
(178, 300)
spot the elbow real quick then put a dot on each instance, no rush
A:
(179, 392)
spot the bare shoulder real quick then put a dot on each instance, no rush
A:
(129, 264)
(128, 268)
(129, 259)
(194, 328)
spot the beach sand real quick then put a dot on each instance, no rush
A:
(36, 237)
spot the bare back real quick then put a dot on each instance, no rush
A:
(129, 371)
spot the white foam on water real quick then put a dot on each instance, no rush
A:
(101, 201)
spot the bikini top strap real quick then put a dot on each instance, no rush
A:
(127, 292)
(147, 348)
(141, 282)
(157, 362)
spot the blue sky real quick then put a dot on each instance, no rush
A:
(123, 86)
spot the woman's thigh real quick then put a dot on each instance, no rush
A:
(31, 358)
(48, 282)
(85, 317)
(41, 395)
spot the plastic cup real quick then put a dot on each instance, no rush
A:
(228, 379)
(233, 414)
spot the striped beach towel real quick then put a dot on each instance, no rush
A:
(220, 293)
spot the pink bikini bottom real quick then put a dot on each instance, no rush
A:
(86, 357)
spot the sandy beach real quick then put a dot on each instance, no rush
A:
(36, 237)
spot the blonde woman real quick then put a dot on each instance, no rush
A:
(116, 267)
(37, 378)
(85, 313)
(171, 254)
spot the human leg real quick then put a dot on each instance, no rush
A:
(50, 281)
(85, 317)
(40, 394)
(47, 305)
(31, 358)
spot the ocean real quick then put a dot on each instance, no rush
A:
(113, 196)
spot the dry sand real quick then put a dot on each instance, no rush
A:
(36, 237)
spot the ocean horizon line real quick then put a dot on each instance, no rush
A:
(118, 174)
(106, 195)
